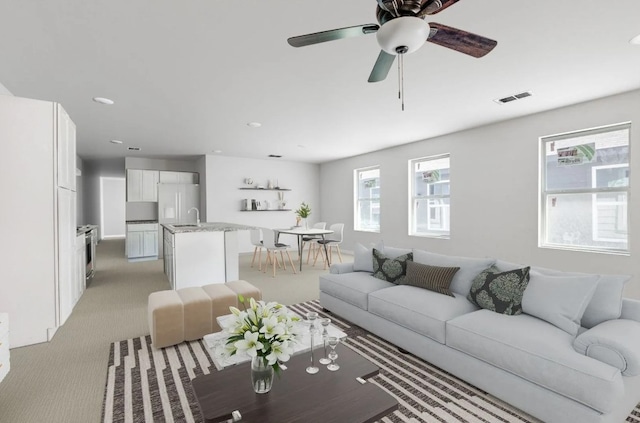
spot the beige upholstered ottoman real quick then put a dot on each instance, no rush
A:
(190, 313)
(166, 318)
(221, 297)
(245, 289)
(197, 312)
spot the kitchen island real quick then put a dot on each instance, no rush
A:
(196, 255)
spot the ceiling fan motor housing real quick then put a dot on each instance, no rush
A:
(401, 32)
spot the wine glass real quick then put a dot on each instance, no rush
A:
(333, 343)
(311, 317)
(325, 334)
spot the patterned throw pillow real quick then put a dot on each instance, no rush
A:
(433, 278)
(500, 291)
(390, 269)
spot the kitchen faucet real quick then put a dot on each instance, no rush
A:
(197, 214)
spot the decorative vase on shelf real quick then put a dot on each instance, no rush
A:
(261, 375)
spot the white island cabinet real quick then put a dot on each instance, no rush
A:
(201, 255)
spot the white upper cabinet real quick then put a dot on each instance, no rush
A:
(169, 177)
(66, 150)
(142, 185)
(150, 180)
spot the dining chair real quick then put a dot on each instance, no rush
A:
(255, 236)
(311, 240)
(330, 240)
(269, 243)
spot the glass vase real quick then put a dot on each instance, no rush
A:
(261, 375)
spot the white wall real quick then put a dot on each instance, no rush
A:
(79, 193)
(225, 176)
(4, 90)
(113, 194)
(494, 188)
(93, 170)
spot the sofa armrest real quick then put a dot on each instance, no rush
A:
(630, 309)
(338, 268)
(615, 342)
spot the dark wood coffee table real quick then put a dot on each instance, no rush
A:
(297, 396)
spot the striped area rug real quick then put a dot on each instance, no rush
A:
(149, 385)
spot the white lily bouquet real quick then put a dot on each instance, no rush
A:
(264, 330)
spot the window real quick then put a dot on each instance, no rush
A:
(430, 191)
(367, 199)
(585, 190)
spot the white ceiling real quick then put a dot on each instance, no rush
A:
(187, 76)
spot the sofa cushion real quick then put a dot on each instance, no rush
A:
(363, 257)
(606, 303)
(469, 267)
(559, 300)
(390, 269)
(433, 278)
(353, 288)
(417, 309)
(538, 352)
(500, 291)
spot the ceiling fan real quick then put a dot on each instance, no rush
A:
(403, 30)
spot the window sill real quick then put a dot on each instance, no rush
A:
(435, 236)
(373, 231)
(585, 250)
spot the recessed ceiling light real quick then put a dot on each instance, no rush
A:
(217, 151)
(115, 142)
(254, 124)
(103, 100)
(635, 40)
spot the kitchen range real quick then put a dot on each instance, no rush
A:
(88, 236)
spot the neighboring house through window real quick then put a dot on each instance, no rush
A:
(585, 190)
(429, 211)
(367, 199)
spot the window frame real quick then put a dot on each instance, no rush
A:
(412, 224)
(544, 193)
(357, 225)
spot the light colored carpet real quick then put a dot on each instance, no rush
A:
(63, 381)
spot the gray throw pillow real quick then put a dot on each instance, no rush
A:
(362, 257)
(433, 278)
(390, 269)
(559, 300)
(500, 291)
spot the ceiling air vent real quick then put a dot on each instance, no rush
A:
(514, 97)
(277, 156)
(133, 148)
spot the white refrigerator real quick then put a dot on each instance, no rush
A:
(174, 202)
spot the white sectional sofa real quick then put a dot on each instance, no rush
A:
(533, 362)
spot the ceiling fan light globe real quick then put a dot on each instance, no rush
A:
(405, 31)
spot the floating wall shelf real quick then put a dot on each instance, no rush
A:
(266, 189)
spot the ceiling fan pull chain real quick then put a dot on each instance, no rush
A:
(402, 80)
(399, 77)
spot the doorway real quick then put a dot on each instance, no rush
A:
(112, 207)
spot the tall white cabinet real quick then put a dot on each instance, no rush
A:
(39, 214)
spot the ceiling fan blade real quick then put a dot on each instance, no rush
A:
(435, 6)
(382, 67)
(459, 40)
(333, 34)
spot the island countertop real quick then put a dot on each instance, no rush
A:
(207, 227)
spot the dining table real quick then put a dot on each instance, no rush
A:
(301, 232)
